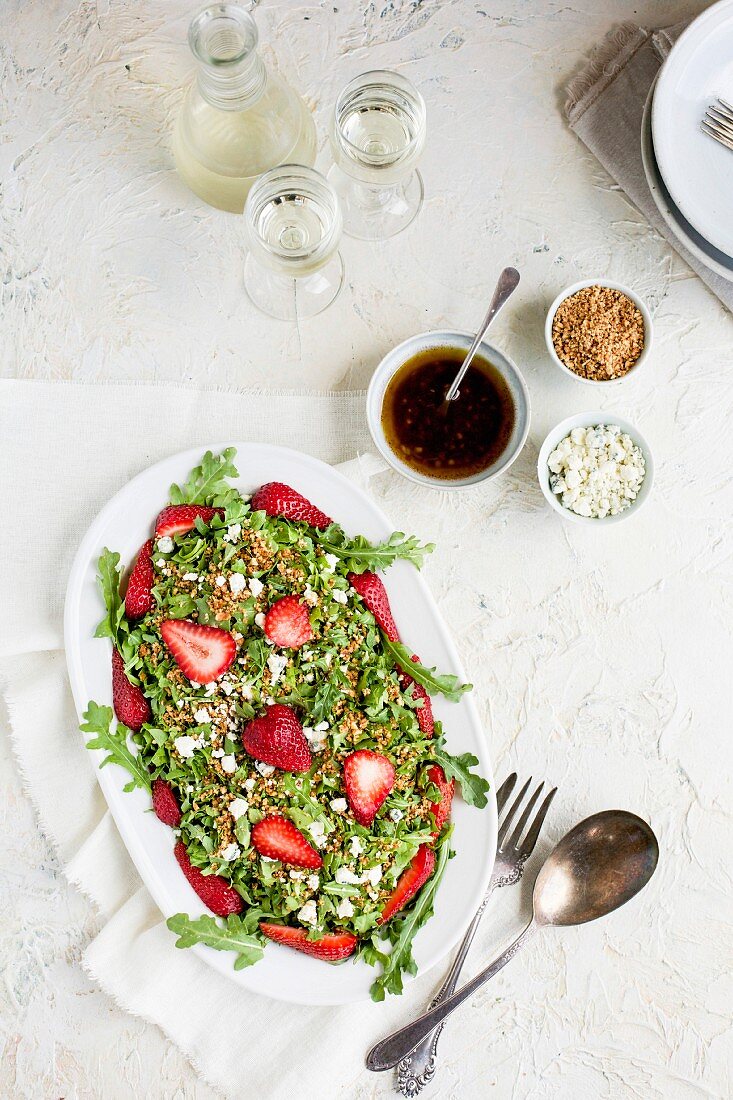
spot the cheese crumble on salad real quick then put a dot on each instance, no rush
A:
(263, 697)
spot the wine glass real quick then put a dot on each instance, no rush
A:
(293, 223)
(377, 136)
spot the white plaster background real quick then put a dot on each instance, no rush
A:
(610, 656)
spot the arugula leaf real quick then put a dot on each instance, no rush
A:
(98, 721)
(108, 580)
(400, 958)
(473, 786)
(226, 936)
(207, 481)
(359, 554)
(435, 683)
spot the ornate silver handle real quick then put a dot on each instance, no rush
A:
(418, 1068)
(388, 1052)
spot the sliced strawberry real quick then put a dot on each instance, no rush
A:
(165, 803)
(287, 623)
(368, 779)
(333, 947)
(425, 719)
(131, 706)
(176, 519)
(139, 595)
(441, 809)
(277, 738)
(201, 652)
(214, 891)
(412, 878)
(277, 838)
(374, 594)
(278, 499)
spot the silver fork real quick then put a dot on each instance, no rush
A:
(718, 122)
(417, 1069)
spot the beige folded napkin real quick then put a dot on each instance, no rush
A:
(604, 107)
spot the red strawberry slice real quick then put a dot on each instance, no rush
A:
(201, 652)
(131, 706)
(374, 594)
(214, 891)
(165, 803)
(176, 519)
(368, 778)
(287, 623)
(333, 947)
(412, 878)
(424, 714)
(278, 499)
(139, 596)
(277, 738)
(277, 838)
(441, 809)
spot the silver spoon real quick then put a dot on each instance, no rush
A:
(507, 284)
(597, 867)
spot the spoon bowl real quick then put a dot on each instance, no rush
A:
(598, 866)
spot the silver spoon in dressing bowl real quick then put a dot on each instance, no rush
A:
(597, 867)
(507, 284)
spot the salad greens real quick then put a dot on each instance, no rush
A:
(346, 688)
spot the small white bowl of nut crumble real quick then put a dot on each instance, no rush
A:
(595, 468)
(598, 332)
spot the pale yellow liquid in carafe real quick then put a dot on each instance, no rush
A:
(219, 154)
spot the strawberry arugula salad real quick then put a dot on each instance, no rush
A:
(263, 697)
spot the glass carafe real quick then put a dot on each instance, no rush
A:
(238, 120)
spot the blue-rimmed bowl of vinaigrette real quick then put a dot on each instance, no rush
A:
(475, 439)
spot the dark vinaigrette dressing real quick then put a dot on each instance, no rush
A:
(473, 432)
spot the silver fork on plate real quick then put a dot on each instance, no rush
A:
(418, 1068)
(718, 122)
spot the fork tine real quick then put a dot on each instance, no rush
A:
(531, 838)
(719, 118)
(521, 825)
(725, 105)
(511, 812)
(504, 791)
(716, 135)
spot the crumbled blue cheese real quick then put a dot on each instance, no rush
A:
(255, 586)
(186, 746)
(259, 617)
(165, 544)
(356, 846)
(597, 471)
(339, 805)
(318, 832)
(346, 877)
(277, 663)
(345, 908)
(237, 583)
(229, 764)
(231, 852)
(264, 769)
(234, 530)
(201, 716)
(340, 596)
(308, 914)
(238, 808)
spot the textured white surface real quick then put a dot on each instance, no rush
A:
(605, 662)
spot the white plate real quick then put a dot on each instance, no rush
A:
(123, 525)
(685, 233)
(697, 171)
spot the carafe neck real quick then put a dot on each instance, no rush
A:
(231, 74)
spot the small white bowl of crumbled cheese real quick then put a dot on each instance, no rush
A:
(595, 468)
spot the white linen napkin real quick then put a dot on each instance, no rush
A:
(86, 442)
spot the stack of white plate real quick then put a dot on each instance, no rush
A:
(689, 173)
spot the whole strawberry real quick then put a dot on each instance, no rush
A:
(214, 890)
(165, 803)
(277, 738)
(278, 499)
(139, 596)
(128, 699)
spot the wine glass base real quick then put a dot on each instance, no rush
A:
(289, 299)
(375, 213)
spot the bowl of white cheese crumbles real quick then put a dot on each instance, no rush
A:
(595, 467)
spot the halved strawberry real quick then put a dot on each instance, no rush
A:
(176, 519)
(287, 623)
(333, 947)
(412, 878)
(201, 652)
(277, 738)
(278, 499)
(165, 803)
(277, 838)
(374, 594)
(368, 779)
(128, 699)
(424, 714)
(214, 890)
(441, 809)
(139, 596)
